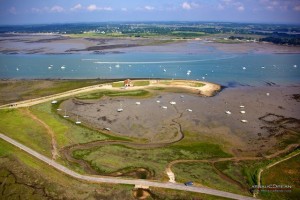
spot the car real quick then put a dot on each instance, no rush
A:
(189, 183)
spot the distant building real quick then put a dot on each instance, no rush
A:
(128, 83)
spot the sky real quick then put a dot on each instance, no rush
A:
(65, 11)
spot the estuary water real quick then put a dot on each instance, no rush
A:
(225, 69)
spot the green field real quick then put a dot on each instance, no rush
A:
(17, 90)
(131, 93)
(17, 125)
(285, 173)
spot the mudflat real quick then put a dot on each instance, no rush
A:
(260, 117)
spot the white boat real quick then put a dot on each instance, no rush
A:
(228, 112)
(189, 110)
(181, 96)
(107, 129)
(63, 67)
(17, 69)
(244, 121)
(66, 116)
(165, 70)
(120, 109)
(49, 67)
(58, 109)
(164, 107)
(244, 68)
(268, 94)
(77, 121)
(241, 106)
(54, 102)
(295, 66)
(203, 77)
(158, 101)
(117, 66)
(172, 102)
(242, 111)
(138, 103)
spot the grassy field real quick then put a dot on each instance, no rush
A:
(17, 90)
(23, 175)
(285, 173)
(204, 174)
(66, 132)
(131, 93)
(17, 125)
(108, 159)
(141, 83)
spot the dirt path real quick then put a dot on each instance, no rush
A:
(171, 175)
(272, 165)
(49, 131)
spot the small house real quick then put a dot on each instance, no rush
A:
(128, 83)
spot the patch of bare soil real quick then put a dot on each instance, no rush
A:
(141, 194)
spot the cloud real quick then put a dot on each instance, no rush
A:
(149, 8)
(124, 9)
(57, 9)
(240, 8)
(93, 7)
(76, 7)
(12, 10)
(186, 6)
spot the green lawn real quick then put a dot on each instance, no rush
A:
(17, 125)
(141, 83)
(285, 173)
(204, 174)
(129, 93)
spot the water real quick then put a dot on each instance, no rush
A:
(222, 68)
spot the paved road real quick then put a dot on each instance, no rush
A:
(102, 179)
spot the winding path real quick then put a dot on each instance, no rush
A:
(49, 130)
(102, 179)
(235, 159)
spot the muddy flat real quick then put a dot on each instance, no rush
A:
(206, 116)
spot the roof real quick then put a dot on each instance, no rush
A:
(127, 81)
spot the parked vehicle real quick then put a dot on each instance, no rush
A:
(190, 183)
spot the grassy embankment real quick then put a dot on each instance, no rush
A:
(17, 90)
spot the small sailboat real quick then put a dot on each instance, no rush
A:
(242, 111)
(117, 66)
(165, 70)
(242, 106)
(107, 129)
(228, 112)
(295, 66)
(189, 110)
(66, 116)
(120, 109)
(244, 68)
(164, 107)
(63, 67)
(138, 103)
(172, 102)
(244, 121)
(158, 101)
(54, 102)
(17, 69)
